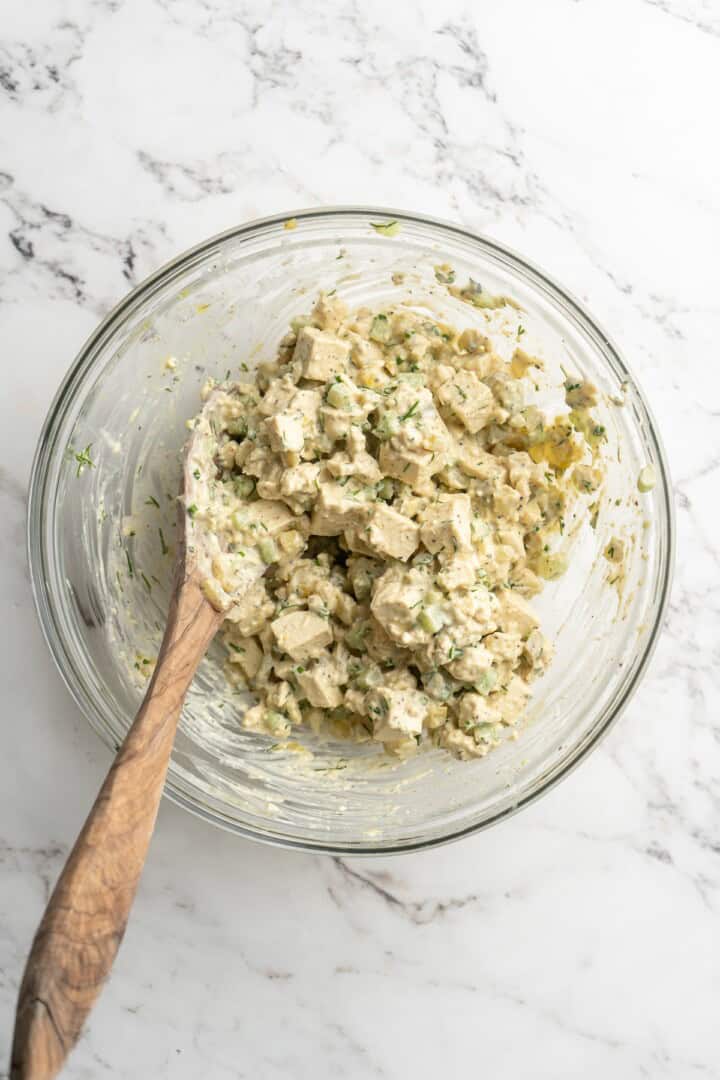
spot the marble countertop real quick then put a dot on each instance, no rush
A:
(581, 937)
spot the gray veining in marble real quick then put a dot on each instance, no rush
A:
(582, 937)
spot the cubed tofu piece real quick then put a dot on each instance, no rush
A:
(336, 510)
(278, 396)
(266, 517)
(246, 654)
(445, 524)
(285, 431)
(329, 312)
(397, 715)
(356, 540)
(473, 710)
(469, 399)
(320, 354)
(397, 597)
(506, 502)
(317, 686)
(355, 460)
(364, 353)
(299, 485)
(268, 482)
(524, 474)
(252, 611)
(391, 534)
(465, 746)
(474, 663)
(461, 571)
(504, 646)
(475, 461)
(362, 465)
(515, 615)
(508, 391)
(420, 424)
(301, 634)
(236, 572)
(413, 467)
(308, 403)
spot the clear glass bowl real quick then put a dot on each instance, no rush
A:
(102, 592)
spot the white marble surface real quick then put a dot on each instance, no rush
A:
(581, 938)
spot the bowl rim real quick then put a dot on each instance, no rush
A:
(35, 534)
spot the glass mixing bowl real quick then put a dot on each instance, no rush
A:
(101, 534)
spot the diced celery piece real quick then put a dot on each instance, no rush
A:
(385, 489)
(238, 427)
(484, 732)
(436, 686)
(268, 550)
(387, 426)
(486, 682)
(277, 723)
(368, 678)
(380, 328)
(338, 396)
(431, 619)
(244, 486)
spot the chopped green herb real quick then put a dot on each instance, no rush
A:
(146, 583)
(163, 546)
(131, 568)
(152, 501)
(411, 411)
(192, 510)
(83, 458)
(520, 331)
(386, 228)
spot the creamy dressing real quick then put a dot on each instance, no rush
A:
(374, 513)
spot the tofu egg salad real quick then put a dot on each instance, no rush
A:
(379, 506)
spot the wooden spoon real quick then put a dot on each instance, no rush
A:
(83, 925)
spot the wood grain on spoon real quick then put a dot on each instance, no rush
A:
(83, 925)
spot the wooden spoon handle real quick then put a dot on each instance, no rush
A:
(84, 922)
